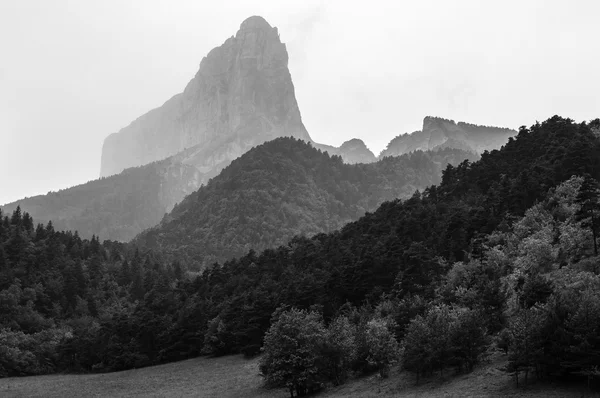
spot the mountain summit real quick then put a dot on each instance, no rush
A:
(241, 96)
(438, 133)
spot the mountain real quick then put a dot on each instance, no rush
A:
(283, 188)
(116, 207)
(502, 251)
(352, 151)
(507, 240)
(241, 96)
(443, 133)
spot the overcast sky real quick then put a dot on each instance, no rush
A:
(72, 72)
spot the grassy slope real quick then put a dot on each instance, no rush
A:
(237, 377)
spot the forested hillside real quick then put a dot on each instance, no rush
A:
(503, 251)
(284, 188)
(117, 207)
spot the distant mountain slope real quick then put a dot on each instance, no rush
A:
(352, 151)
(116, 207)
(442, 133)
(283, 188)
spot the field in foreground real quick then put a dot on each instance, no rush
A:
(235, 376)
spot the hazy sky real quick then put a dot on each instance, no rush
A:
(72, 72)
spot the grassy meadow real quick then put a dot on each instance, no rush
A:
(234, 376)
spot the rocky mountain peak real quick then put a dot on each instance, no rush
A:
(440, 133)
(255, 22)
(241, 96)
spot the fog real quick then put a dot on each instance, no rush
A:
(72, 72)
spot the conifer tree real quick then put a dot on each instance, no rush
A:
(177, 270)
(40, 232)
(95, 270)
(137, 277)
(589, 199)
(27, 223)
(49, 228)
(16, 216)
(125, 274)
(2, 229)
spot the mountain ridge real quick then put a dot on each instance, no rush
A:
(282, 188)
(439, 132)
(117, 207)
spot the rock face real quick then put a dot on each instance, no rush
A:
(438, 133)
(242, 96)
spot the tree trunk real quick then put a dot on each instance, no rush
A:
(594, 234)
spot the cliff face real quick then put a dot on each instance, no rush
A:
(438, 133)
(242, 96)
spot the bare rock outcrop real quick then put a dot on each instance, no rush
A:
(241, 96)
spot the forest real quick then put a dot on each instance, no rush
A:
(503, 250)
(283, 188)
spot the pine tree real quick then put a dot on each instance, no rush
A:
(27, 223)
(40, 232)
(589, 199)
(15, 246)
(150, 276)
(3, 261)
(16, 218)
(49, 228)
(79, 277)
(95, 245)
(70, 287)
(95, 270)
(137, 277)
(177, 270)
(4, 270)
(2, 229)
(125, 274)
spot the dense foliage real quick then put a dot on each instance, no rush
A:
(117, 207)
(501, 250)
(284, 188)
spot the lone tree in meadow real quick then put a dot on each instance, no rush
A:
(292, 351)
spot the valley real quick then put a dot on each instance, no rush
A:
(462, 260)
